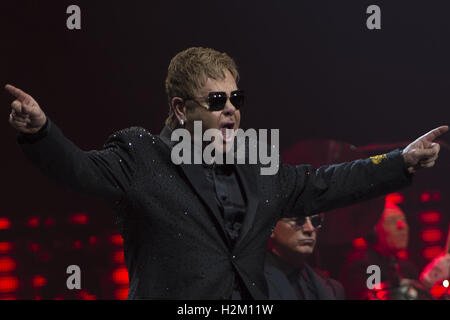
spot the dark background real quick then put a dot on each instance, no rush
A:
(310, 68)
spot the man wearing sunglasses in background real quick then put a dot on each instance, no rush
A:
(200, 231)
(288, 275)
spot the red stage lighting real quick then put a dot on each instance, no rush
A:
(38, 281)
(430, 217)
(425, 196)
(79, 218)
(8, 284)
(77, 244)
(6, 247)
(49, 222)
(7, 264)
(116, 239)
(431, 252)
(121, 294)
(120, 276)
(118, 257)
(431, 235)
(33, 222)
(5, 223)
(93, 240)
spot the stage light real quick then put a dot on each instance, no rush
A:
(425, 196)
(93, 240)
(121, 294)
(79, 218)
(34, 247)
(6, 247)
(38, 281)
(33, 222)
(430, 217)
(116, 239)
(77, 244)
(5, 223)
(431, 235)
(8, 284)
(445, 283)
(436, 196)
(7, 264)
(120, 276)
(118, 257)
(431, 252)
(49, 222)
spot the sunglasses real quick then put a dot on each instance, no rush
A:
(299, 223)
(217, 100)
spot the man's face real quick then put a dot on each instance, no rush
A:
(291, 240)
(228, 118)
(393, 230)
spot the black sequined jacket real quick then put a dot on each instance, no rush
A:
(175, 243)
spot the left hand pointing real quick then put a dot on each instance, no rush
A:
(423, 152)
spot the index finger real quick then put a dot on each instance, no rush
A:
(16, 92)
(433, 134)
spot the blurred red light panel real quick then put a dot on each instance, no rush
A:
(121, 294)
(430, 217)
(118, 257)
(8, 284)
(77, 244)
(8, 298)
(116, 239)
(425, 196)
(79, 218)
(5, 223)
(120, 276)
(431, 252)
(49, 222)
(436, 196)
(93, 240)
(6, 247)
(38, 281)
(7, 264)
(431, 235)
(34, 247)
(33, 222)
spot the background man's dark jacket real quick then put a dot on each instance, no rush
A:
(174, 239)
(280, 287)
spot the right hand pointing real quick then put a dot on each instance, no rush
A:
(26, 116)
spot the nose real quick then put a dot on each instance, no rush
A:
(229, 108)
(307, 226)
(400, 224)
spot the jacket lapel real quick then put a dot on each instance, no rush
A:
(324, 291)
(197, 179)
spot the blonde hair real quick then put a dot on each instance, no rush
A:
(190, 69)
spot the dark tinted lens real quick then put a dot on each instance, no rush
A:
(217, 100)
(316, 221)
(237, 98)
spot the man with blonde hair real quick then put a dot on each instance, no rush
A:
(199, 231)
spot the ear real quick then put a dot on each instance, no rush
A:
(178, 107)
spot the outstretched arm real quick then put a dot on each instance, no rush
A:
(106, 173)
